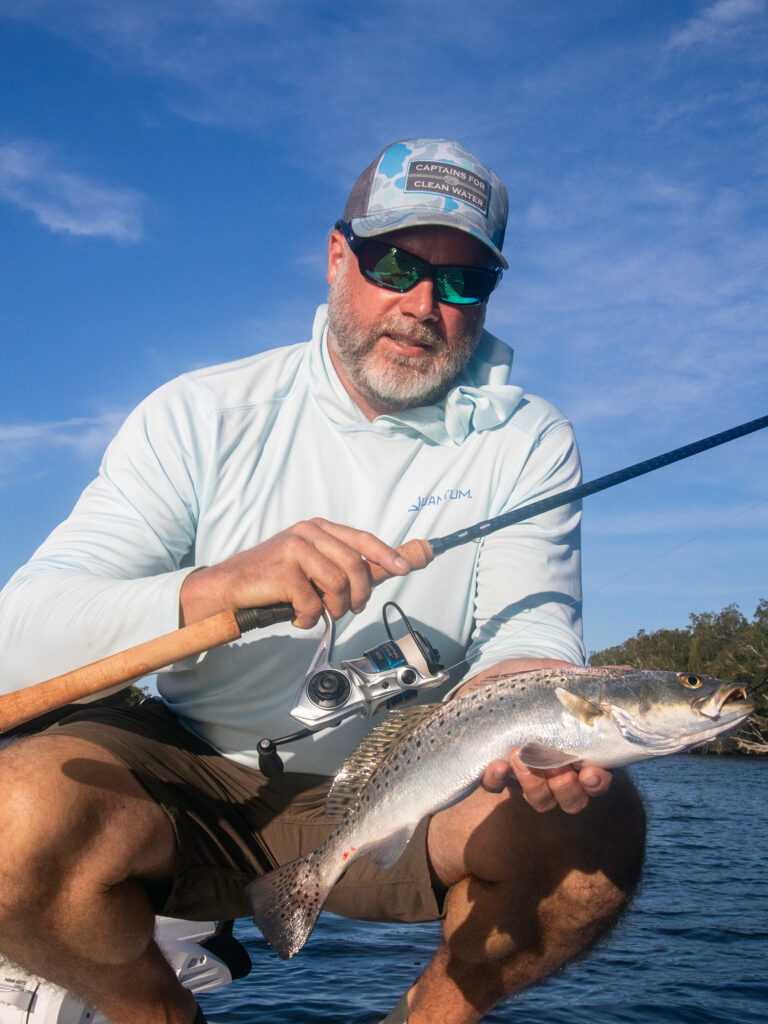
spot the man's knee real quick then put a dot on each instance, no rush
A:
(65, 803)
(498, 837)
(40, 821)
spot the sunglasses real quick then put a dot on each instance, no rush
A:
(399, 271)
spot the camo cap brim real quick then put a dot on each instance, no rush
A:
(420, 182)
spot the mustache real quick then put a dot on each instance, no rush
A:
(425, 334)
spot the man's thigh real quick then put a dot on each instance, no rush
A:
(231, 823)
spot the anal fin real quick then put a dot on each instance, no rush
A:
(388, 852)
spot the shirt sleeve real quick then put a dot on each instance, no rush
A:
(109, 576)
(528, 582)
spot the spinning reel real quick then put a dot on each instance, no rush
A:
(389, 674)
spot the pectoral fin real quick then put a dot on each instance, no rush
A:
(537, 755)
(579, 707)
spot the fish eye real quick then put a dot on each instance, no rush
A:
(692, 682)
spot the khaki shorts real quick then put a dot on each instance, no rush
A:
(232, 823)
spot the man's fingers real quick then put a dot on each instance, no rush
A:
(310, 564)
(496, 776)
(560, 787)
(367, 545)
(566, 789)
(535, 786)
(308, 569)
(336, 562)
(337, 570)
(595, 781)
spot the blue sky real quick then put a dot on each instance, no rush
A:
(169, 172)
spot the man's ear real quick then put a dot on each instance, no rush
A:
(336, 252)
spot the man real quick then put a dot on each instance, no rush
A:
(272, 480)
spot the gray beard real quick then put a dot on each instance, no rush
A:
(403, 382)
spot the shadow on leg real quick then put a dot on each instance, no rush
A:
(537, 891)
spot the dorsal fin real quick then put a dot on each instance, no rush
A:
(362, 762)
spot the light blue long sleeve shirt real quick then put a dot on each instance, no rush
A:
(223, 458)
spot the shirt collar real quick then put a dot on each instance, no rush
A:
(481, 400)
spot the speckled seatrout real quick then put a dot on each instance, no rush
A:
(423, 759)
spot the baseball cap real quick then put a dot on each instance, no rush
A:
(418, 182)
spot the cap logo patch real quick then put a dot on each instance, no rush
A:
(449, 180)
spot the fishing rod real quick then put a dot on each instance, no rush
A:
(602, 483)
(120, 669)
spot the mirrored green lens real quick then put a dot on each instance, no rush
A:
(464, 285)
(452, 286)
(395, 269)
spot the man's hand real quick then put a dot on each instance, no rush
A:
(567, 788)
(309, 565)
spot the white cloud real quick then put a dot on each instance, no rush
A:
(26, 448)
(715, 22)
(31, 178)
(84, 435)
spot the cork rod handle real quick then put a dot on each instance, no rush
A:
(116, 670)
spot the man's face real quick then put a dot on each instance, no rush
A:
(397, 350)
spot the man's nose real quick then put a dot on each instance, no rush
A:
(421, 301)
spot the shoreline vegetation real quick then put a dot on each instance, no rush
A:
(722, 644)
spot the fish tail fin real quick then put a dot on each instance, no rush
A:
(286, 903)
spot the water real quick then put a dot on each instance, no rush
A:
(693, 947)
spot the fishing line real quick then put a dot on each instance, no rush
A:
(758, 686)
(611, 582)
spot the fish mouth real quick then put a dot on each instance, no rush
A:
(726, 699)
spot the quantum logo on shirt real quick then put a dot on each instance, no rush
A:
(450, 494)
